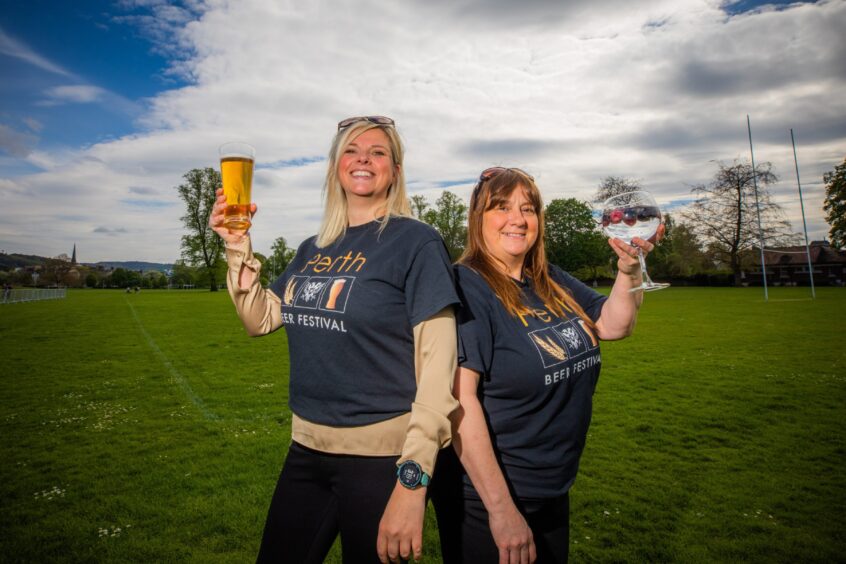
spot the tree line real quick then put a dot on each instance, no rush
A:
(711, 241)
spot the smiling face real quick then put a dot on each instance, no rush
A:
(366, 168)
(510, 230)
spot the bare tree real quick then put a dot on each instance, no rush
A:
(613, 185)
(725, 218)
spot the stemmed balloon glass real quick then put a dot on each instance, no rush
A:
(629, 215)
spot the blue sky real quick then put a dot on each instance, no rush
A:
(106, 104)
(87, 41)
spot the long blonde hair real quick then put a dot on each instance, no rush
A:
(487, 195)
(335, 222)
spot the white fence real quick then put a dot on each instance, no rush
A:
(17, 295)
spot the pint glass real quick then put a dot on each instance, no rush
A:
(236, 171)
(335, 291)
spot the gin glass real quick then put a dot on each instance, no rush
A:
(629, 215)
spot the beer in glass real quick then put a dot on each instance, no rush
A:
(334, 291)
(236, 171)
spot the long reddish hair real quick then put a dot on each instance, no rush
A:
(486, 195)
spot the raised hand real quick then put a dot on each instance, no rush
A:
(230, 236)
(628, 263)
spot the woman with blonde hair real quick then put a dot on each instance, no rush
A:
(367, 305)
(528, 365)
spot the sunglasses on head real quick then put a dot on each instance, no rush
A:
(489, 173)
(378, 120)
(492, 172)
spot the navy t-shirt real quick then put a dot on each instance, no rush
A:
(538, 374)
(349, 309)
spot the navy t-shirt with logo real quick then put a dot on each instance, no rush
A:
(538, 374)
(349, 309)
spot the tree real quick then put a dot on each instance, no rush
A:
(201, 247)
(679, 254)
(572, 239)
(183, 274)
(280, 256)
(419, 205)
(835, 204)
(726, 219)
(449, 217)
(613, 185)
(56, 270)
(123, 278)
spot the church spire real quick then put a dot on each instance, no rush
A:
(73, 257)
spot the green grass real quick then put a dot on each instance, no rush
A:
(717, 432)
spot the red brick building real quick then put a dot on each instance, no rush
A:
(788, 266)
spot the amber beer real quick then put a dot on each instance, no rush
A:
(335, 291)
(236, 171)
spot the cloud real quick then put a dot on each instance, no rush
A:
(148, 203)
(142, 190)
(572, 92)
(76, 94)
(16, 143)
(512, 149)
(299, 161)
(110, 231)
(451, 183)
(14, 48)
(33, 124)
(163, 24)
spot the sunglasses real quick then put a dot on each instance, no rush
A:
(494, 171)
(378, 120)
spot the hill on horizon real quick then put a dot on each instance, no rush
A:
(15, 260)
(135, 265)
(8, 262)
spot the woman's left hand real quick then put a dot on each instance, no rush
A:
(401, 527)
(628, 262)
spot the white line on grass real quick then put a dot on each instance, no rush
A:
(174, 373)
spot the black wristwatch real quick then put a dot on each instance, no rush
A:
(411, 475)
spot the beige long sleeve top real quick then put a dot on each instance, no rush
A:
(416, 435)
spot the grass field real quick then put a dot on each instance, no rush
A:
(148, 427)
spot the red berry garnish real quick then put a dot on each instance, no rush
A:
(616, 216)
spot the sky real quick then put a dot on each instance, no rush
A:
(105, 105)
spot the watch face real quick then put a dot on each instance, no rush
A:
(409, 474)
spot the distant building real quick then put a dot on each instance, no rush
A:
(788, 266)
(73, 276)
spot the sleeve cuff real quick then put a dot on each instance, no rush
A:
(421, 450)
(240, 254)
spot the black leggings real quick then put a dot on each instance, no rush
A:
(465, 530)
(319, 495)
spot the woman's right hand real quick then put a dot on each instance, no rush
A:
(230, 236)
(512, 536)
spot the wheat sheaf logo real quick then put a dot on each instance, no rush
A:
(289, 291)
(551, 347)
